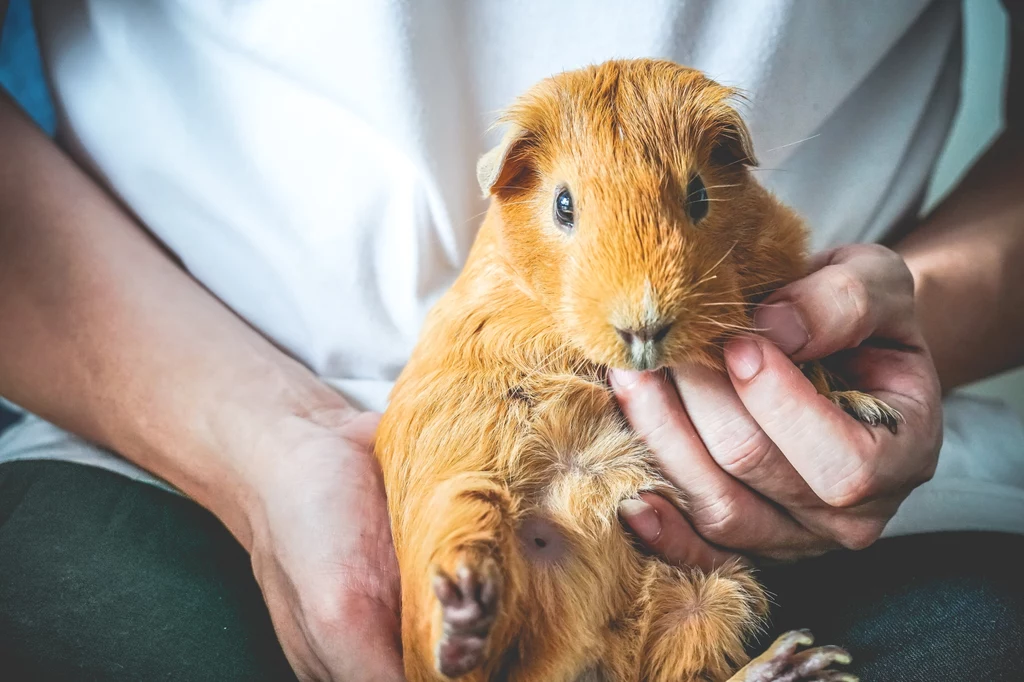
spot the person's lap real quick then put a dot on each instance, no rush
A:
(943, 606)
(105, 578)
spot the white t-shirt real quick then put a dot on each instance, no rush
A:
(312, 163)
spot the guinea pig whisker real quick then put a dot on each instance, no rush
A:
(507, 203)
(775, 149)
(757, 285)
(474, 217)
(516, 203)
(738, 292)
(717, 263)
(735, 184)
(556, 354)
(727, 325)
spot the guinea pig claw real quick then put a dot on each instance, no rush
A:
(782, 663)
(468, 610)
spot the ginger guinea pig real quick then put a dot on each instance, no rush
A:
(625, 230)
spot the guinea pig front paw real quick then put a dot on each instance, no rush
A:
(863, 407)
(469, 606)
(867, 408)
(783, 663)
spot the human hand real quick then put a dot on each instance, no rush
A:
(769, 466)
(322, 550)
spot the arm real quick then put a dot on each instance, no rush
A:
(103, 334)
(772, 470)
(966, 256)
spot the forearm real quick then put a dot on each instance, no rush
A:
(967, 255)
(103, 334)
(967, 263)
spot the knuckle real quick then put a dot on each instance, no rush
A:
(930, 462)
(878, 251)
(720, 521)
(676, 548)
(860, 533)
(927, 473)
(896, 278)
(656, 432)
(855, 486)
(742, 451)
(903, 278)
(900, 286)
(854, 301)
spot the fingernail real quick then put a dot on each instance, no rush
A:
(625, 378)
(782, 324)
(642, 518)
(744, 358)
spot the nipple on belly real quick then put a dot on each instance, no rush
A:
(542, 540)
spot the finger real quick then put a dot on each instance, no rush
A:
(907, 374)
(370, 645)
(742, 448)
(353, 619)
(864, 290)
(304, 661)
(735, 440)
(907, 382)
(665, 531)
(839, 458)
(722, 509)
(362, 429)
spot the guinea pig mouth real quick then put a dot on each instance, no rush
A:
(644, 347)
(644, 355)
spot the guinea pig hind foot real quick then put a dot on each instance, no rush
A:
(783, 662)
(469, 606)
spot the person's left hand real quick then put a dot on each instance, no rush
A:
(770, 467)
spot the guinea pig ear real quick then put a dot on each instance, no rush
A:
(498, 166)
(733, 144)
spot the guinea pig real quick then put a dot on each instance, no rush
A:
(625, 230)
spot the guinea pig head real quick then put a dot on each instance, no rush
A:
(628, 210)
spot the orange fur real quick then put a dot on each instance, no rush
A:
(502, 415)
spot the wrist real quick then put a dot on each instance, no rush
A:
(947, 291)
(262, 439)
(224, 439)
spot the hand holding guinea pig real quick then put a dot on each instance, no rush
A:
(771, 468)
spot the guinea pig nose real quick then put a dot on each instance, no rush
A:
(655, 333)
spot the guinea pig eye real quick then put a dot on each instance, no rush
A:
(563, 209)
(696, 199)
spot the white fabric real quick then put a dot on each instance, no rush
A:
(312, 163)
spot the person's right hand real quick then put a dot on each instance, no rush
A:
(322, 551)
(771, 468)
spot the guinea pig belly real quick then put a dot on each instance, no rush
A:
(542, 541)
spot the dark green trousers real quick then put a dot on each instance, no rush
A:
(103, 578)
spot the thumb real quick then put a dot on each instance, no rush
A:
(861, 291)
(372, 648)
(665, 531)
